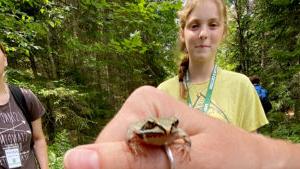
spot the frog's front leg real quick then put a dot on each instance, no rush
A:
(134, 142)
(185, 147)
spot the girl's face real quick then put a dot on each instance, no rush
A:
(3, 62)
(203, 31)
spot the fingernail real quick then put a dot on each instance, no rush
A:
(81, 159)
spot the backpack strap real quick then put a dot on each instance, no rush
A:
(21, 102)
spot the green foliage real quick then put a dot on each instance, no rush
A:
(82, 59)
(282, 127)
(263, 39)
(57, 150)
(67, 107)
(282, 2)
(225, 59)
(24, 22)
(132, 45)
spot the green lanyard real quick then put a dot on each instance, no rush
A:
(208, 92)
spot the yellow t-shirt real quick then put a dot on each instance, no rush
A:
(233, 100)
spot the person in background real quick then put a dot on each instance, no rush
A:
(20, 147)
(262, 93)
(201, 83)
(215, 144)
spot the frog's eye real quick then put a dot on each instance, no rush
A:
(175, 123)
(148, 125)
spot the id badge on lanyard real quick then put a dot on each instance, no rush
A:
(13, 158)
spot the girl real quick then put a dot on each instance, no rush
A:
(203, 85)
(16, 136)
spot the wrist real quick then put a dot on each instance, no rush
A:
(278, 154)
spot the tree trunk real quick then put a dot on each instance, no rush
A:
(33, 65)
(50, 118)
(52, 66)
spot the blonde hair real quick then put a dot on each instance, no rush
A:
(183, 15)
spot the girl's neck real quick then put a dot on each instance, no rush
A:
(3, 87)
(200, 72)
(4, 92)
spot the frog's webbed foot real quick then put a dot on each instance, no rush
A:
(183, 149)
(183, 145)
(135, 146)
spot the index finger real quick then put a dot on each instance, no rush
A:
(148, 101)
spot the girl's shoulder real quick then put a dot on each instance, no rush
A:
(233, 76)
(28, 94)
(171, 82)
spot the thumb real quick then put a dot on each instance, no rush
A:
(81, 159)
(114, 155)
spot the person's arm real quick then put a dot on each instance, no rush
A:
(278, 154)
(215, 144)
(40, 145)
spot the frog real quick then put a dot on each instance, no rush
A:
(163, 131)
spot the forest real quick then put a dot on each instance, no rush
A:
(83, 58)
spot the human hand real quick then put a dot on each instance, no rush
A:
(215, 144)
